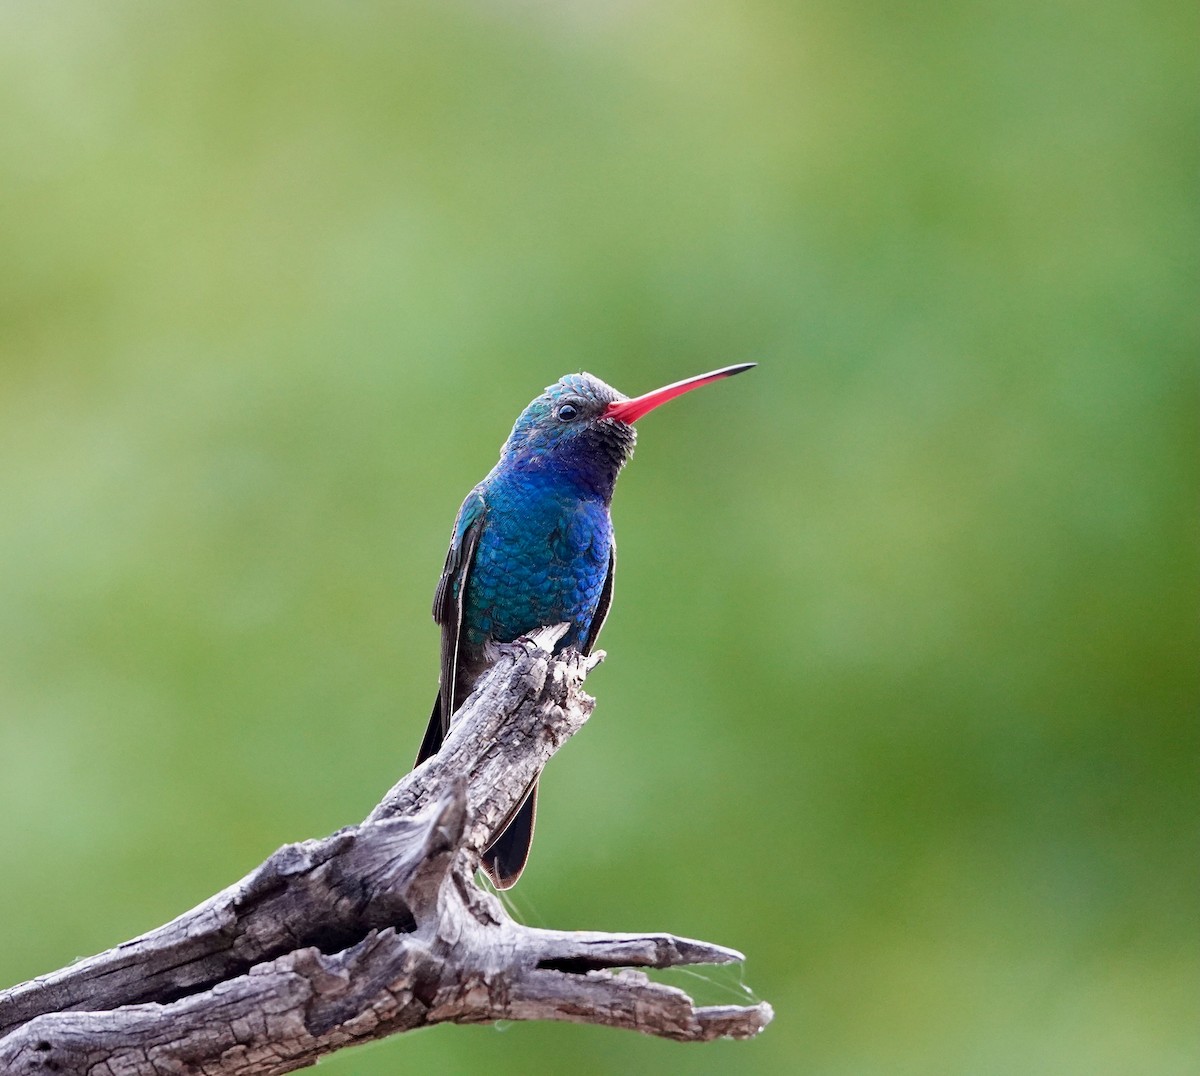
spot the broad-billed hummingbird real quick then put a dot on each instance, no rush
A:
(532, 546)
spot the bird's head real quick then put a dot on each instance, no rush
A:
(584, 428)
(565, 429)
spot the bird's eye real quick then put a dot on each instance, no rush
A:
(566, 412)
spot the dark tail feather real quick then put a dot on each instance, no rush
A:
(434, 733)
(505, 858)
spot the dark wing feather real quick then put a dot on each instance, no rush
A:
(606, 597)
(448, 612)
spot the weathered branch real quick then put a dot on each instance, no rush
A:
(377, 929)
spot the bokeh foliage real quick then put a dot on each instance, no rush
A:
(902, 690)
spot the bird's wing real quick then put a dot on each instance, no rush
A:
(606, 597)
(448, 613)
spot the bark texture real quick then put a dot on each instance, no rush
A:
(377, 929)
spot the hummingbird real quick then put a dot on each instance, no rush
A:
(533, 545)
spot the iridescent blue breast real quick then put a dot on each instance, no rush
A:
(542, 559)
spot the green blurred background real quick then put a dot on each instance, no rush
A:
(901, 696)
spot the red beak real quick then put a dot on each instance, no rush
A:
(630, 411)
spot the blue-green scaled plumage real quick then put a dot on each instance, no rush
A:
(532, 546)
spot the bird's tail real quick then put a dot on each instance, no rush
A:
(504, 859)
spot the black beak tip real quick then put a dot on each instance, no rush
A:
(740, 368)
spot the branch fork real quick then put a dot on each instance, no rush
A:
(374, 930)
